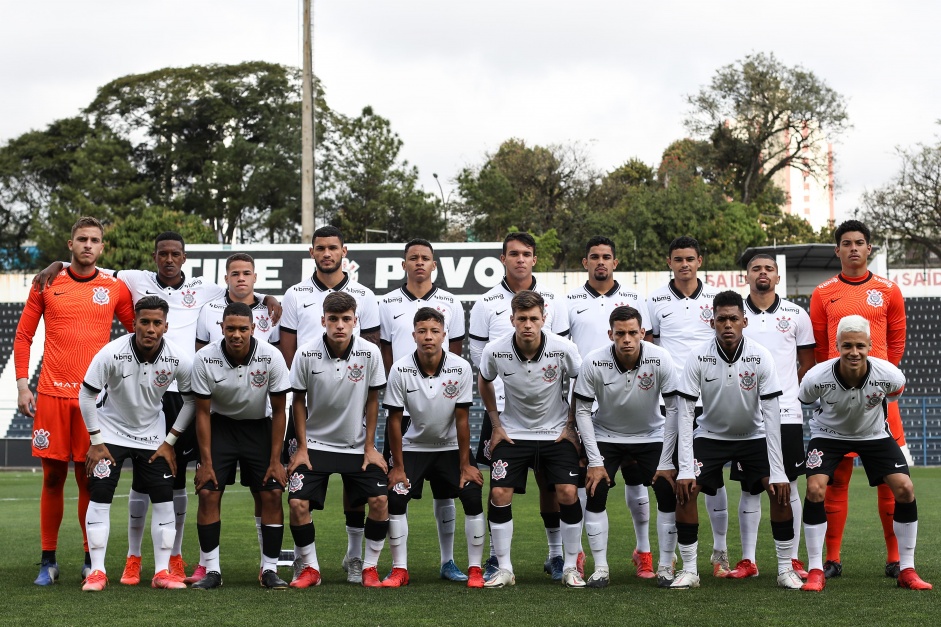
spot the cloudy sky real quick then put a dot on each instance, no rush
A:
(458, 78)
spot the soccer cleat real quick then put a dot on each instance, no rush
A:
(309, 577)
(451, 572)
(580, 563)
(475, 577)
(798, 567)
(665, 576)
(553, 567)
(832, 568)
(198, 573)
(571, 578)
(95, 582)
(131, 574)
(816, 581)
(892, 569)
(684, 580)
(599, 579)
(211, 581)
(397, 578)
(354, 569)
(790, 580)
(501, 579)
(644, 564)
(48, 573)
(720, 563)
(164, 579)
(271, 581)
(491, 566)
(743, 570)
(177, 567)
(371, 578)
(910, 580)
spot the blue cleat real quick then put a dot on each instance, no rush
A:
(553, 567)
(491, 567)
(48, 573)
(451, 572)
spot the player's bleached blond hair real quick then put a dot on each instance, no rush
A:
(852, 324)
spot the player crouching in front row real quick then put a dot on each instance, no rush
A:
(125, 422)
(854, 389)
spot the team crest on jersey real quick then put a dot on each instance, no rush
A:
(784, 323)
(41, 439)
(874, 298)
(356, 373)
(550, 373)
(101, 296)
(873, 400)
(697, 467)
(450, 389)
(748, 380)
(400, 488)
(259, 378)
(188, 298)
(814, 459)
(645, 381)
(292, 447)
(263, 322)
(162, 378)
(705, 313)
(487, 449)
(499, 469)
(296, 482)
(102, 469)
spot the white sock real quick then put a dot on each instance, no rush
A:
(666, 536)
(797, 508)
(180, 500)
(583, 500)
(749, 518)
(718, 508)
(571, 542)
(501, 538)
(445, 514)
(354, 542)
(638, 502)
(163, 534)
(210, 560)
(906, 534)
(308, 555)
(596, 526)
(814, 536)
(554, 538)
(98, 528)
(474, 532)
(782, 549)
(261, 548)
(136, 518)
(688, 555)
(373, 550)
(398, 539)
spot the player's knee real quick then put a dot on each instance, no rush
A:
(300, 511)
(379, 506)
(398, 504)
(53, 477)
(816, 488)
(904, 491)
(501, 496)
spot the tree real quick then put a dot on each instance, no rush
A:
(761, 117)
(129, 243)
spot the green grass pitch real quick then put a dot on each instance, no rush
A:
(863, 594)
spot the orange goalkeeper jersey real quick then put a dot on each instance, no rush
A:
(873, 297)
(78, 312)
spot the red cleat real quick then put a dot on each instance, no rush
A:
(177, 567)
(743, 570)
(910, 580)
(167, 581)
(644, 564)
(798, 567)
(396, 579)
(371, 578)
(131, 574)
(307, 578)
(816, 581)
(475, 577)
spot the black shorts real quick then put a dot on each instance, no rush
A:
(483, 443)
(186, 448)
(558, 461)
(638, 462)
(792, 451)
(290, 438)
(710, 456)
(154, 477)
(879, 457)
(386, 451)
(242, 443)
(441, 468)
(360, 485)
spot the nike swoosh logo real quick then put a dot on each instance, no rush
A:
(93, 522)
(219, 380)
(799, 464)
(168, 476)
(188, 452)
(754, 512)
(58, 293)
(900, 465)
(396, 537)
(671, 533)
(164, 524)
(500, 313)
(444, 522)
(508, 374)
(719, 510)
(133, 516)
(580, 311)
(593, 535)
(125, 376)
(477, 537)
(153, 293)
(833, 300)
(667, 315)
(382, 485)
(612, 383)
(708, 380)
(306, 305)
(398, 316)
(829, 403)
(407, 391)
(318, 371)
(573, 474)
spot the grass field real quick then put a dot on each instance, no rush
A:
(863, 594)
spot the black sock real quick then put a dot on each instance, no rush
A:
(271, 536)
(209, 536)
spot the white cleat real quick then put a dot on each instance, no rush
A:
(354, 569)
(685, 580)
(665, 575)
(790, 579)
(599, 579)
(501, 579)
(571, 578)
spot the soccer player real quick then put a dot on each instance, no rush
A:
(536, 429)
(854, 390)
(626, 379)
(336, 381)
(680, 317)
(856, 290)
(489, 320)
(121, 402)
(589, 307)
(80, 305)
(236, 381)
(396, 313)
(741, 422)
(436, 388)
(784, 329)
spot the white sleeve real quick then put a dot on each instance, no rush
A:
(685, 416)
(652, 320)
(299, 373)
(184, 376)
(488, 369)
(669, 432)
(289, 311)
(771, 413)
(393, 397)
(808, 392)
(369, 317)
(465, 397)
(86, 403)
(377, 378)
(805, 330)
(280, 380)
(458, 328)
(385, 325)
(202, 325)
(560, 320)
(586, 431)
(479, 332)
(199, 379)
(185, 417)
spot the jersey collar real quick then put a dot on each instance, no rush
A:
(754, 308)
(680, 294)
(595, 293)
(735, 357)
(323, 288)
(444, 358)
(506, 286)
(170, 287)
(229, 301)
(346, 354)
(81, 279)
(252, 345)
(539, 351)
(140, 356)
(614, 357)
(849, 281)
(411, 296)
(843, 383)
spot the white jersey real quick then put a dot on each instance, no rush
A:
(679, 322)
(490, 320)
(783, 329)
(536, 408)
(239, 389)
(397, 312)
(130, 390)
(336, 388)
(589, 310)
(303, 308)
(851, 413)
(209, 323)
(430, 400)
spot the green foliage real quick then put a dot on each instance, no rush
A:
(129, 243)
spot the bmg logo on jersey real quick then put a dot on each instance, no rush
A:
(748, 380)
(356, 373)
(259, 378)
(101, 296)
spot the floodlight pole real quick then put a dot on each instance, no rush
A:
(308, 130)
